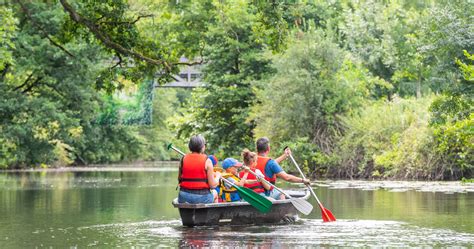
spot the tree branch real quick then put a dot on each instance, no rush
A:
(25, 82)
(32, 85)
(132, 22)
(42, 30)
(119, 62)
(189, 63)
(106, 40)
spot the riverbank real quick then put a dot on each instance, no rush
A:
(448, 187)
(132, 166)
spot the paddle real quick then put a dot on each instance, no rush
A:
(300, 204)
(327, 215)
(259, 202)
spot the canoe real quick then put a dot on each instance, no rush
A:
(238, 213)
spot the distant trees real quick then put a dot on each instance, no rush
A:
(359, 89)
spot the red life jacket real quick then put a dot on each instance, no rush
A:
(257, 187)
(261, 164)
(193, 172)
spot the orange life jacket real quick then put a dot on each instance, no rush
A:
(257, 187)
(193, 172)
(261, 164)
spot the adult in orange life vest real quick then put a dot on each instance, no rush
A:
(271, 168)
(250, 160)
(196, 174)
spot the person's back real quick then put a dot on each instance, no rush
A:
(262, 162)
(196, 175)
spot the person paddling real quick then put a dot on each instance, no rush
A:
(196, 174)
(271, 168)
(250, 161)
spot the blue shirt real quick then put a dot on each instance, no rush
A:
(272, 168)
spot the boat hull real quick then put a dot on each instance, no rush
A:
(238, 213)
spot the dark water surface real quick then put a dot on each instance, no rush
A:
(123, 207)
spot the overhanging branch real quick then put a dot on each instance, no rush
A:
(42, 30)
(129, 23)
(107, 41)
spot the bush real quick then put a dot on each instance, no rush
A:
(387, 139)
(315, 82)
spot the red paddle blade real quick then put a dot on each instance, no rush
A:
(327, 215)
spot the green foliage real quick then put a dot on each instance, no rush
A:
(155, 137)
(308, 155)
(372, 30)
(464, 180)
(387, 139)
(309, 74)
(314, 83)
(455, 143)
(220, 110)
(7, 33)
(140, 112)
(50, 108)
(452, 120)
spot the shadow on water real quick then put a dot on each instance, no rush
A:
(133, 208)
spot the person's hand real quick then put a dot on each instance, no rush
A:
(307, 182)
(287, 152)
(245, 168)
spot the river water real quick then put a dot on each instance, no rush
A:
(131, 207)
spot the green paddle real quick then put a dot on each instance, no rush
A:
(259, 202)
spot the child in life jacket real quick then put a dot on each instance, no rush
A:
(254, 183)
(228, 192)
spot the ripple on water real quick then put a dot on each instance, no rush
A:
(306, 232)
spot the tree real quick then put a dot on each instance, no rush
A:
(316, 82)
(372, 31)
(220, 110)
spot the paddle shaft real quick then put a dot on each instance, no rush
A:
(275, 187)
(309, 187)
(176, 149)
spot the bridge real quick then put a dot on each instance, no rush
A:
(188, 77)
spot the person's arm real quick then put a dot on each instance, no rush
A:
(180, 171)
(210, 174)
(291, 178)
(284, 156)
(260, 177)
(265, 184)
(243, 180)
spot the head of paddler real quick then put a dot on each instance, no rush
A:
(249, 158)
(231, 165)
(263, 146)
(197, 144)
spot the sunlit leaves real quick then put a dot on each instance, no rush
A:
(7, 33)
